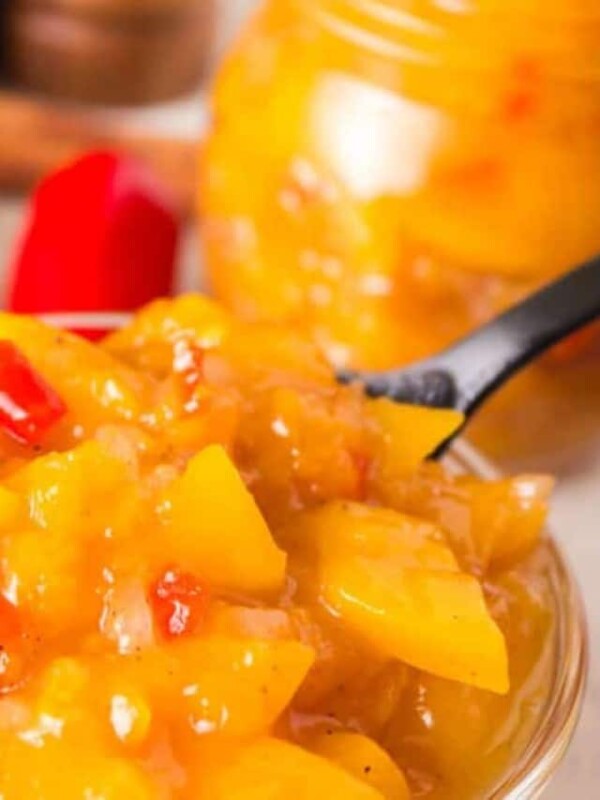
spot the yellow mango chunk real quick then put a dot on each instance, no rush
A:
(394, 581)
(267, 352)
(66, 697)
(215, 528)
(154, 331)
(71, 500)
(53, 771)
(62, 489)
(363, 758)
(435, 620)
(491, 523)
(345, 528)
(12, 508)
(406, 435)
(219, 684)
(44, 575)
(95, 387)
(508, 516)
(130, 717)
(270, 769)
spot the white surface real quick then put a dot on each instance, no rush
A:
(576, 515)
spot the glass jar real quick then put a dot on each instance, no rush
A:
(395, 172)
(543, 721)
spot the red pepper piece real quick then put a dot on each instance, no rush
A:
(101, 236)
(28, 405)
(179, 603)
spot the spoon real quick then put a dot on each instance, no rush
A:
(463, 376)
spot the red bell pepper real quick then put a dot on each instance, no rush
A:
(29, 407)
(101, 236)
(179, 603)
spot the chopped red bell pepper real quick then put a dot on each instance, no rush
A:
(101, 236)
(29, 407)
(179, 603)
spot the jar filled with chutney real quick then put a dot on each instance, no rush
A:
(394, 173)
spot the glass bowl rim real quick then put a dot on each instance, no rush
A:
(543, 754)
(541, 757)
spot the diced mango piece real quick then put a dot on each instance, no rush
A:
(62, 685)
(487, 523)
(345, 528)
(214, 422)
(215, 528)
(12, 509)
(217, 684)
(95, 387)
(47, 576)
(72, 499)
(269, 352)
(65, 698)
(270, 769)
(130, 717)
(405, 435)
(508, 516)
(435, 620)
(394, 581)
(46, 768)
(62, 489)
(153, 332)
(363, 758)
(245, 688)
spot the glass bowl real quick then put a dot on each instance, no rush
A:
(531, 772)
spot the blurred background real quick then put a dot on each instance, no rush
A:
(132, 75)
(112, 74)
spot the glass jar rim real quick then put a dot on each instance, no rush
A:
(538, 762)
(374, 25)
(397, 12)
(392, 29)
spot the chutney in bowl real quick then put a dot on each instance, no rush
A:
(223, 575)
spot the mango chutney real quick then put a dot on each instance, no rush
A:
(394, 173)
(222, 575)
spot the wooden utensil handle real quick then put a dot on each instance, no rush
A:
(38, 137)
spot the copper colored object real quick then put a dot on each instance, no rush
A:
(38, 137)
(110, 51)
(120, 10)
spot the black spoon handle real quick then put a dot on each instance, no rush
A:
(482, 362)
(463, 376)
